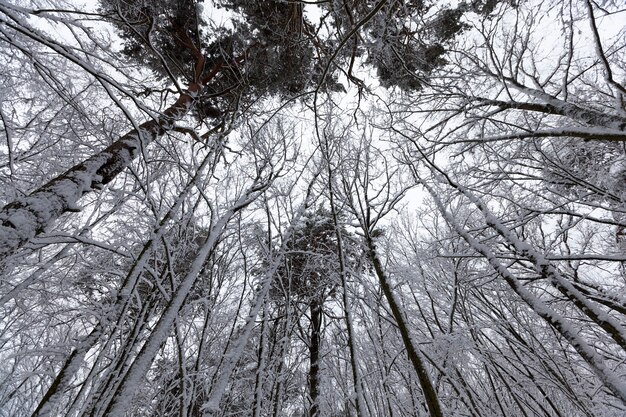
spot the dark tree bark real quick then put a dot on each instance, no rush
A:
(432, 401)
(315, 341)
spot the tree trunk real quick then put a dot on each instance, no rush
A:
(432, 401)
(26, 217)
(314, 356)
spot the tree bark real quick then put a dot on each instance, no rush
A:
(432, 401)
(314, 357)
(26, 217)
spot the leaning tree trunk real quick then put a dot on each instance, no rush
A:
(121, 398)
(430, 395)
(26, 217)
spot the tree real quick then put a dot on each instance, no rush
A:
(224, 75)
(371, 192)
(309, 276)
(532, 148)
(468, 261)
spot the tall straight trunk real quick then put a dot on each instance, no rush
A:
(432, 401)
(282, 339)
(354, 367)
(346, 302)
(66, 373)
(315, 340)
(259, 377)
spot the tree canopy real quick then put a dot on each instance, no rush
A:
(312, 208)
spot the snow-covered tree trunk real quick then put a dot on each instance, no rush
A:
(118, 403)
(596, 361)
(26, 217)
